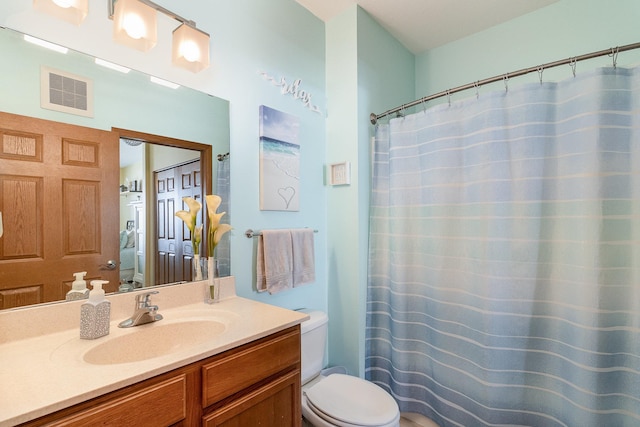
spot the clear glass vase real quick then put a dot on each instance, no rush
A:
(197, 268)
(213, 282)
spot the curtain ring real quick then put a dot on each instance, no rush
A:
(477, 86)
(449, 96)
(540, 71)
(614, 55)
(573, 65)
(505, 79)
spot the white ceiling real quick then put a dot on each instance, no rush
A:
(421, 25)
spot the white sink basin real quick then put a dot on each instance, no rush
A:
(153, 340)
(178, 331)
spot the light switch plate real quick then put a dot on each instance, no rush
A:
(340, 173)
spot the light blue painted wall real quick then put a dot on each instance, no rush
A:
(561, 30)
(366, 69)
(282, 39)
(342, 201)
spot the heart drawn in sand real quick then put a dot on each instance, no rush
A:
(287, 194)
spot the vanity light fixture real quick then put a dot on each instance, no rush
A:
(73, 11)
(135, 26)
(190, 48)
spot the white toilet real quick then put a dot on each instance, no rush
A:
(338, 399)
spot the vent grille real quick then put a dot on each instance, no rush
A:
(66, 92)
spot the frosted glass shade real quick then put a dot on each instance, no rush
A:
(190, 48)
(134, 24)
(73, 11)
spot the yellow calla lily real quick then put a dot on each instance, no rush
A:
(220, 231)
(216, 230)
(186, 217)
(190, 219)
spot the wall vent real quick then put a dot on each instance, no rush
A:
(66, 92)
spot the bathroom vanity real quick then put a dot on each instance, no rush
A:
(232, 363)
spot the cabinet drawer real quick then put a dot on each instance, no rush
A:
(226, 376)
(161, 404)
(276, 404)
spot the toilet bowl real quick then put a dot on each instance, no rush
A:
(338, 399)
(346, 401)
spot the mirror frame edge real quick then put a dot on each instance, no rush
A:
(206, 159)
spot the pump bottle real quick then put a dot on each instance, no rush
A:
(79, 288)
(95, 314)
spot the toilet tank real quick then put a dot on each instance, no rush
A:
(313, 343)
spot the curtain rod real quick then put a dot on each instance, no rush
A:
(573, 60)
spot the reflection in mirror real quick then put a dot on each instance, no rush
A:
(137, 159)
(131, 108)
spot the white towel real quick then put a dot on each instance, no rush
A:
(304, 269)
(274, 263)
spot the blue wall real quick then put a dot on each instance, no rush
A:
(561, 30)
(366, 68)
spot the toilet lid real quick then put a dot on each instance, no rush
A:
(353, 400)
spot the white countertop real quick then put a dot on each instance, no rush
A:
(43, 373)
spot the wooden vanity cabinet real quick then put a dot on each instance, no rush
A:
(255, 384)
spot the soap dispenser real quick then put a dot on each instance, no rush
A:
(79, 288)
(95, 314)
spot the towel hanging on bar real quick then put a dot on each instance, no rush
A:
(285, 259)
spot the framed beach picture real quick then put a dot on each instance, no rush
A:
(279, 161)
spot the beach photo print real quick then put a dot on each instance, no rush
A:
(279, 161)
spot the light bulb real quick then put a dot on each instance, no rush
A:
(134, 26)
(190, 51)
(63, 3)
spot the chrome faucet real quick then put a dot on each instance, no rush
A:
(145, 312)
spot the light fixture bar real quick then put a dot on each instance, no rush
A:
(135, 25)
(111, 5)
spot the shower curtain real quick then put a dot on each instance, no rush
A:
(504, 258)
(223, 250)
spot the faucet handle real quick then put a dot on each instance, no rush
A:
(143, 299)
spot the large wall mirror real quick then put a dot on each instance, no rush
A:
(165, 138)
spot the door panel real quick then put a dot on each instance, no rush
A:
(175, 255)
(58, 187)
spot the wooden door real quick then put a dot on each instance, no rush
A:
(174, 256)
(58, 198)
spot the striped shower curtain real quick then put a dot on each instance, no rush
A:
(504, 260)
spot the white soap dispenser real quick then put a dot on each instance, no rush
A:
(95, 314)
(79, 288)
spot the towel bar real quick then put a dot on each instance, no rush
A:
(255, 233)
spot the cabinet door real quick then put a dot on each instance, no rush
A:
(275, 404)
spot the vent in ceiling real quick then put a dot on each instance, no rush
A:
(66, 92)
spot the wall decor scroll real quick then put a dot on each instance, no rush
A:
(294, 89)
